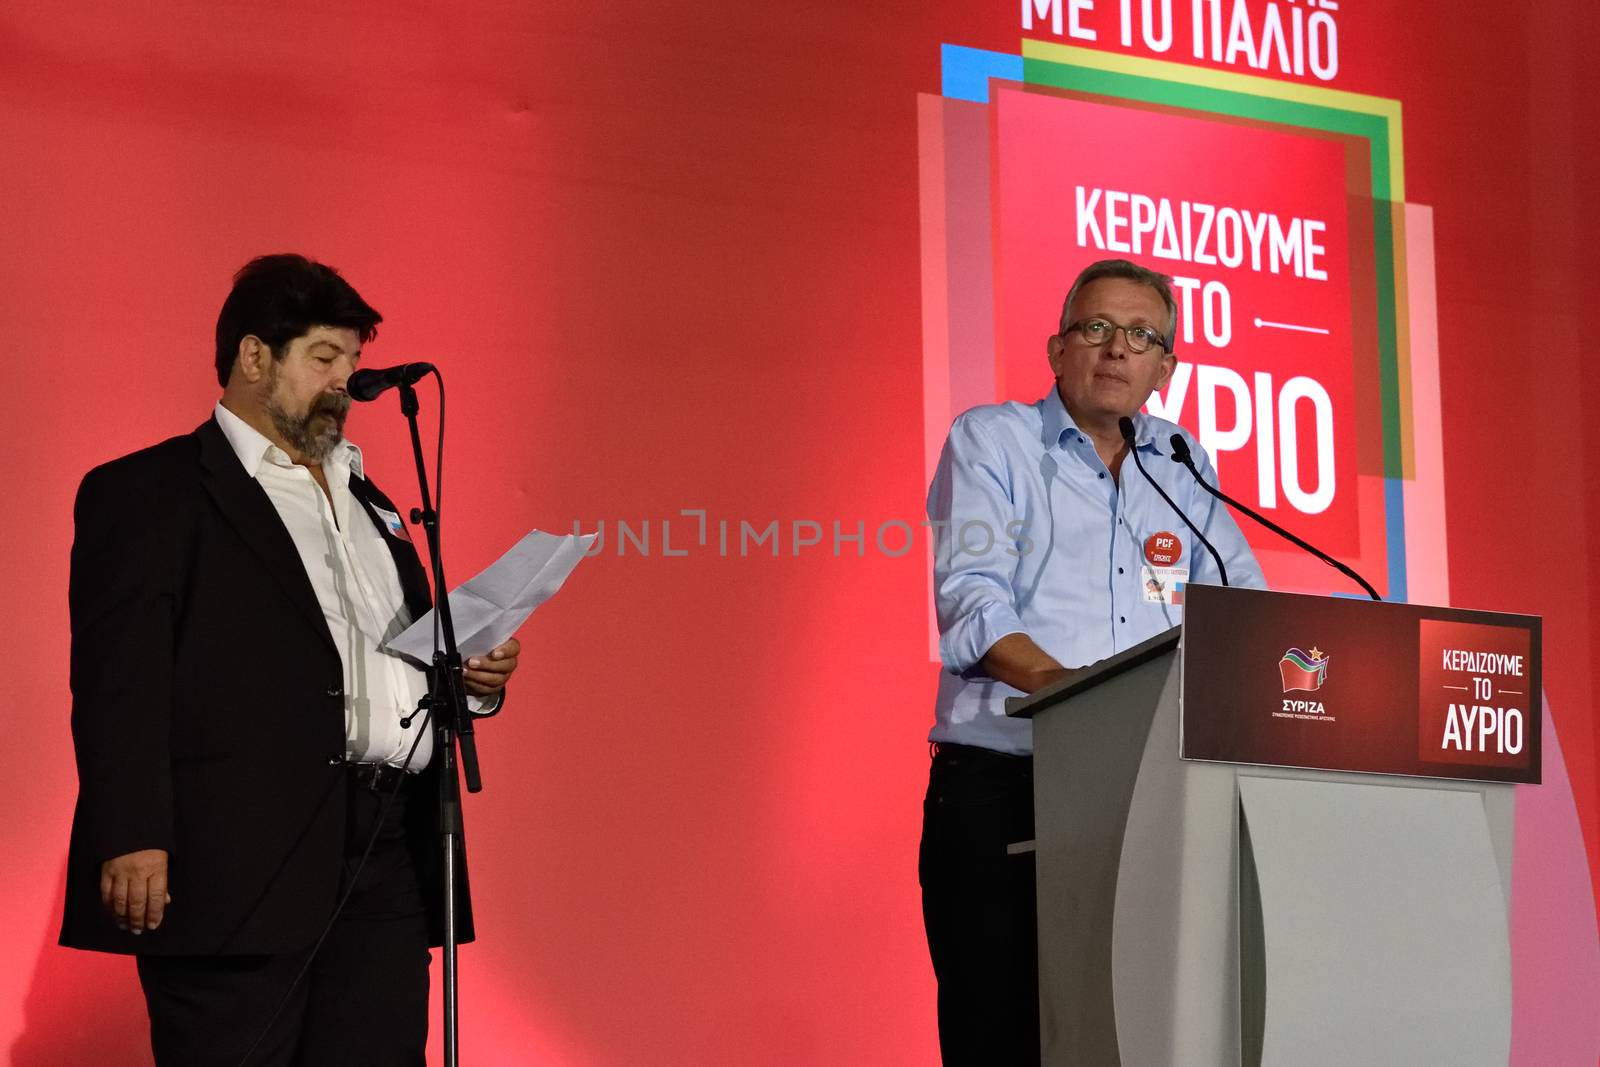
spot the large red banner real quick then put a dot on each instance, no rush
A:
(1259, 253)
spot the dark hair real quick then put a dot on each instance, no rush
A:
(1123, 268)
(280, 297)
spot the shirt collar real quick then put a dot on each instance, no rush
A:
(1059, 425)
(253, 448)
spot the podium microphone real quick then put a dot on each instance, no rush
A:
(371, 384)
(1125, 424)
(1181, 454)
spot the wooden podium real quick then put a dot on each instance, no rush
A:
(1325, 879)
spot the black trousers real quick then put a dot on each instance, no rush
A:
(363, 999)
(978, 905)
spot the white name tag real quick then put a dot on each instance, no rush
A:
(392, 522)
(1163, 585)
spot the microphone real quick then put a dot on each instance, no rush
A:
(1181, 454)
(1125, 424)
(370, 384)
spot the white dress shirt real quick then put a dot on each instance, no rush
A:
(357, 586)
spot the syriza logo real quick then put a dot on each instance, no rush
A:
(1303, 670)
(1307, 672)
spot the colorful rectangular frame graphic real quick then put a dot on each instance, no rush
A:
(1402, 471)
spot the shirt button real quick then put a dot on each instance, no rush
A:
(1122, 618)
(334, 761)
(1102, 474)
(336, 690)
(1119, 570)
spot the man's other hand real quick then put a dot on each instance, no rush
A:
(1021, 664)
(487, 675)
(133, 887)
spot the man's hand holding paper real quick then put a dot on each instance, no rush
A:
(489, 607)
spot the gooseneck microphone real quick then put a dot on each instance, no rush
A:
(1125, 424)
(1181, 454)
(371, 384)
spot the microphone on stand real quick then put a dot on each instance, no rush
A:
(1181, 454)
(371, 384)
(1125, 424)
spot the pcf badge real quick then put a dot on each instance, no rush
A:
(1162, 578)
(1162, 549)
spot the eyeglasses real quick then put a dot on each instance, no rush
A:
(1099, 331)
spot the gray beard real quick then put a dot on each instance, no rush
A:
(316, 433)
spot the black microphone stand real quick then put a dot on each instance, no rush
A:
(452, 724)
(1181, 454)
(1125, 427)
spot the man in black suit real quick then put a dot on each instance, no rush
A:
(244, 763)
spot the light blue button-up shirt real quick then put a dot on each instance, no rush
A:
(1035, 536)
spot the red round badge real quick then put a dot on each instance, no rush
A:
(1162, 549)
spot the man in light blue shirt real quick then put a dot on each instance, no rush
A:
(1052, 555)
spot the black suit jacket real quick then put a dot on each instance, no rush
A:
(208, 711)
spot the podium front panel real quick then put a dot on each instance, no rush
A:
(1328, 683)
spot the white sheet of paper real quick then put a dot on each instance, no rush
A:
(489, 607)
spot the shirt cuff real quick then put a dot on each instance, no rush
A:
(963, 646)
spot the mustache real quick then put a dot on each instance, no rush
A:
(334, 404)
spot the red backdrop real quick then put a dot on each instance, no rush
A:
(668, 256)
